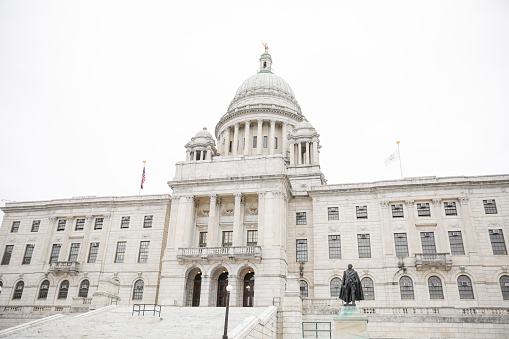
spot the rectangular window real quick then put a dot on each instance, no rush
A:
(227, 238)
(397, 211)
(203, 239)
(302, 250)
(15, 226)
(35, 225)
(265, 141)
(423, 209)
(301, 218)
(120, 254)
(61, 225)
(362, 212)
(333, 213)
(7, 254)
(400, 240)
(497, 241)
(450, 208)
(147, 222)
(143, 255)
(334, 247)
(29, 250)
(75, 250)
(456, 242)
(275, 142)
(80, 225)
(125, 222)
(255, 142)
(55, 252)
(252, 238)
(364, 245)
(490, 207)
(92, 254)
(99, 223)
(428, 243)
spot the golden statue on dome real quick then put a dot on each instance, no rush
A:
(266, 47)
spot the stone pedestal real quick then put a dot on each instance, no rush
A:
(350, 324)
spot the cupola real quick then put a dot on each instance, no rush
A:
(201, 147)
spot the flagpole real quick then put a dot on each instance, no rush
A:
(399, 155)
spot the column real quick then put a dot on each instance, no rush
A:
(414, 238)
(211, 230)
(64, 251)
(315, 153)
(44, 259)
(261, 215)
(307, 153)
(259, 145)
(172, 227)
(188, 155)
(284, 142)
(299, 153)
(227, 141)
(292, 153)
(205, 290)
(188, 222)
(470, 241)
(235, 140)
(247, 136)
(209, 153)
(386, 229)
(237, 232)
(441, 243)
(272, 135)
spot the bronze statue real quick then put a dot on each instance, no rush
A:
(351, 288)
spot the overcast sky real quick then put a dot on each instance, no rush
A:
(90, 89)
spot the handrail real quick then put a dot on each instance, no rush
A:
(138, 308)
(316, 330)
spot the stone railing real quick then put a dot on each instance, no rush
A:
(424, 260)
(81, 301)
(28, 309)
(207, 253)
(64, 267)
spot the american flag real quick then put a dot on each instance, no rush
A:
(143, 176)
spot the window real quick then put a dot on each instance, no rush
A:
(406, 288)
(397, 211)
(497, 242)
(203, 239)
(368, 288)
(55, 252)
(303, 289)
(335, 287)
(435, 288)
(465, 287)
(15, 226)
(423, 210)
(7, 254)
(275, 143)
(302, 250)
(334, 247)
(362, 212)
(125, 222)
(75, 250)
(61, 225)
(490, 207)
(364, 245)
(1, 286)
(120, 254)
(252, 238)
(255, 142)
(227, 238)
(450, 208)
(99, 223)
(147, 222)
(301, 218)
(64, 290)
(333, 213)
(456, 242)
(35, 225)
(43, 290)
(504, 286)
(18, 290)
(80, 225)
(400, 240)
(428, 243)
(92, 254)
(265, 141)
(143, 255)
(138, 289)
(230, 147)
(29, 250)
(83, 293)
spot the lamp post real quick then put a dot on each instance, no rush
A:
(228, 290)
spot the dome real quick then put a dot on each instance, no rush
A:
(204, 134)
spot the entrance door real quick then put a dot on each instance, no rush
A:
(248, 290)
(221, 289)
(197, 290)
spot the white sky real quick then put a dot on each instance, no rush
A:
(88, 90)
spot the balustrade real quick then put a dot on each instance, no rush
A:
(219, 252)
(424, 260)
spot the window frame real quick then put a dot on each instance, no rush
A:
(368, 287)
(6, 259)
(61, 223)
(99, 223)
(15, 226)
(364, 246)
(456, 243)
(138, 289)
(80, 224)
(29, 252)
(435, 288)
(450, 208)
(74, 251)
(92, 254)
(428, 247)
(400, 247)
(423, 209)
(333, 213)
(143, 251)
(43, 289)
(63, 290)
(35, 226)
(54, 256)
(252, 238)
(255, 141)
(300, 218)
(361, 211)
(301, 251)
(148, 221)
(497, 241)
(334, 246)
(18, 290)
(227, 239)
(335, 287)
(504, 286)
(202, 239)
(120, 252)
(466, 288)
(406, 288)
(304, 288)
(124, 221)
(490, 206)
(397, 211)
(83, 290)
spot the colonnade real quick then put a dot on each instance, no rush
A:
(304, 153)
(199, 155)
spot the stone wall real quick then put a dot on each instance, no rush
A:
(262, 326)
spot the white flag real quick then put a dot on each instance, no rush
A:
(392, 159)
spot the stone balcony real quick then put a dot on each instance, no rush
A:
(426, 260)
(211, 253)
(64, 267)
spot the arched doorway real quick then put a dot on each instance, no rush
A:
(248, 289)
(222, 282)
(197, 290)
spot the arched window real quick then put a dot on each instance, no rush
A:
(83, 293)
(43, 290)
(465, 287)
(335, 287)
(64, 289)
(1, 286)
(303, 289)
(369, 288)
(18, 290)
(435, 288)
(406, 288)
(504, 286)
(138, 289)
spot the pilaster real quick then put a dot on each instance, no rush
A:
(259, 146)
(272, 136)
(247, 136)
(237, 231)
(235, 146)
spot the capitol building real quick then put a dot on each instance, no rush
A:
(250, 208)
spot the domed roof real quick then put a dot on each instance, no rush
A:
(204, 134)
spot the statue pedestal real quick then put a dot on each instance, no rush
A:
(350, 324)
